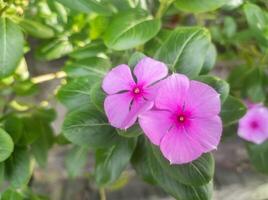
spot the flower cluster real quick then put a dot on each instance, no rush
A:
(179, 115)
(253, 126)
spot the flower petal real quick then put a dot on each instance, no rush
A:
(172, 92)
(179, 148)
(259, 133)
(155, 124)
(202, 100)
(117, 108)
(118, 79)
(138, 107)
(206, 131)
(149, 71)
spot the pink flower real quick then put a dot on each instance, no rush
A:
(128, 97)
(253, 126)
(184, 122)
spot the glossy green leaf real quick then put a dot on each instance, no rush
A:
(88, 127)
(11, 195)
(178, 50)
(221, 86)
(6, 145)
(176, 188)
(210, 59)
(36, 29)
(198, 6)
(258, 156)
(76, 160)
(11, 43)
(111, 162)
(129, 30)
(196, 173)
(97, 96)
(88, 67)
(232, 110)
(133, 131)
(87, 6)
(18, 168)
(76, 92)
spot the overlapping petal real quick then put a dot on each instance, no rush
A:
(172, 93)
(149, 71)
(117, 80)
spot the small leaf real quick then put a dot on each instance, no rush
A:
(6, 145)
(198, 6)
(18, 168)
(135, 58)
(89, 127)
(232, 110)
(11, 43)
(111, 162)
(129, 30)
(258, 156)
(97, 96)
(178, 50)
(76, 160)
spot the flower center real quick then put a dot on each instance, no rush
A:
(136, 90)
(181, 118)
(254, 125)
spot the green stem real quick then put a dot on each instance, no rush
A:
(164, 5)
(102, 194)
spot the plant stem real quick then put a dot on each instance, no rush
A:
(48, 77)
(102, 194)
(164, 5)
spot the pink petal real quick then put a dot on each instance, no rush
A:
(172, 92)
(202, 100)
(148, 71)
(257, 134)
(117, 108)
(138, 107)
(179, 148)
(117, 80)
(206, 131)
(155, 124)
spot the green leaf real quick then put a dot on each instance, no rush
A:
(178, 49)
(232, 110)
(76, 160)
(258, 156)
(173, 186)
(196, 173)
(87, 6)
(88, 67)
(129, 30)
(11, 43)
(230, 27)
(97, 96)
(18, 168)
(76, 92)
(88, 127)
(198, 6)
(135, 58)
(221, 86)
(6, 145)
(111, 162)
(90, 50)
(210, 59)
(140, 161)
(36, 29)
(133, 131)
(11, 195)
(54, 49)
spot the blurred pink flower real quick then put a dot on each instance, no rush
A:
(184, 122)
(253, 126)
(128, 97)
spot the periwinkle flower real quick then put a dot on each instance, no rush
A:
(184, 121)
(127, 96)
(253, 126)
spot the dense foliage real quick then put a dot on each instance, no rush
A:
(93, 36)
